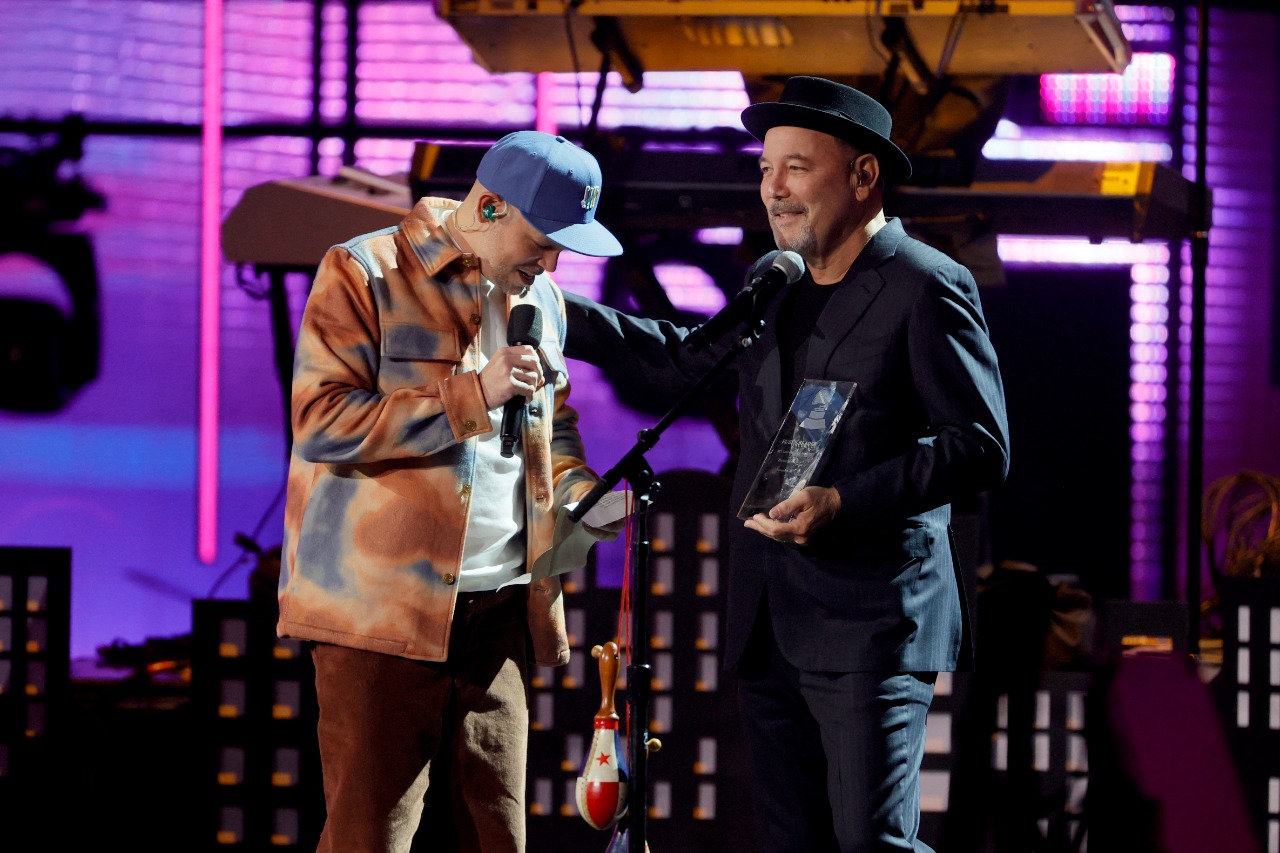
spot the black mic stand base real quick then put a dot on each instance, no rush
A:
(635, 468)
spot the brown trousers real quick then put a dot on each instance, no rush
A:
(390, 727)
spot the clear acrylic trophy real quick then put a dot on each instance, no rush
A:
(798, 448)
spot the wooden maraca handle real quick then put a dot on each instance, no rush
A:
(608, 657)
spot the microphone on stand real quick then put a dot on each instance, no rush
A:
(768, 275)
(524, 326)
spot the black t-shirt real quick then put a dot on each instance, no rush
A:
(802, 304)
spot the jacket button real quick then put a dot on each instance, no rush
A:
(468, 426)
(449, 579)
(475, 319)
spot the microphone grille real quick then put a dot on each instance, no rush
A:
(791, 264)
(761, 264)
(524, 326)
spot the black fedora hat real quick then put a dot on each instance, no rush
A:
(829, 107)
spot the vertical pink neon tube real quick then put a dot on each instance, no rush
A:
(210, 284)
(545, 105)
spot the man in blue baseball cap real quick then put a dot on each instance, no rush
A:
(412, 527)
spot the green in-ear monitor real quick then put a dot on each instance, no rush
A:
(489, 212)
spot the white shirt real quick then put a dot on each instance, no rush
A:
(493, 553)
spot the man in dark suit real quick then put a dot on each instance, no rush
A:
(845, 599)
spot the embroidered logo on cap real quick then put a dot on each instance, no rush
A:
(590, 196)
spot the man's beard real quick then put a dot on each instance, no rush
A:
(803, 244)
(509, 281)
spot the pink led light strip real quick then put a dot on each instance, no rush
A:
(545, 105)
(210, 284)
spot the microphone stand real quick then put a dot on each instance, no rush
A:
(637, 471)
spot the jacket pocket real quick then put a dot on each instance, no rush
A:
(414, 355)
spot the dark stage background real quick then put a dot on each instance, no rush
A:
(1063, 340)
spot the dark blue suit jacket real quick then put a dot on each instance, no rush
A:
(878, 589)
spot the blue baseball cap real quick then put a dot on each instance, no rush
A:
(555, 184)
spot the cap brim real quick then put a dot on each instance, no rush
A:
(759, 118)
(584, 238)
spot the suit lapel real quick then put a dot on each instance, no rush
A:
(848, 304)
(844, 310)
(852, 298)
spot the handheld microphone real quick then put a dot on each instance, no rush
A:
(524, 326)
(768, 275)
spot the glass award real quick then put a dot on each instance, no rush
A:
(796, 454)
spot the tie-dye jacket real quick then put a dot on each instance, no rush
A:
(386, 408)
